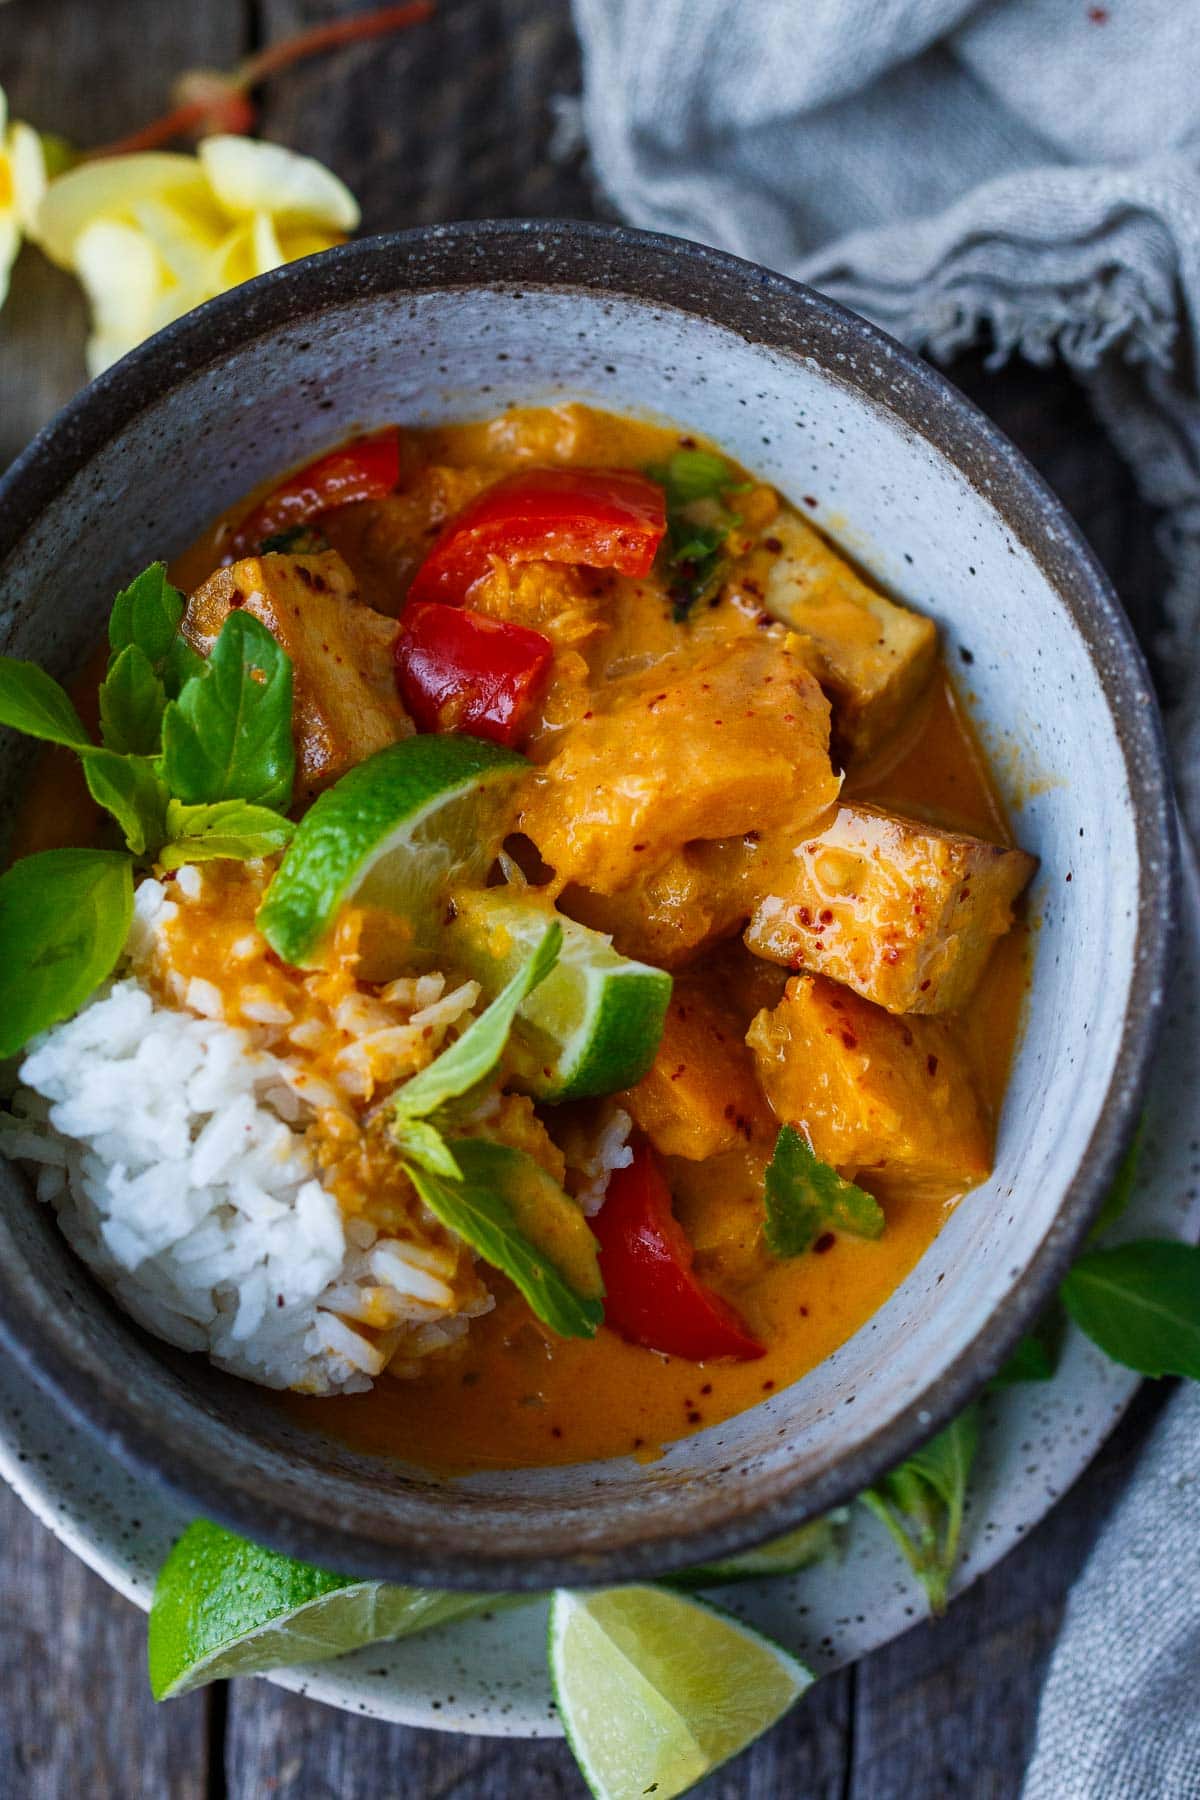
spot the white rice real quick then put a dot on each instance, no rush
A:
(171, 1145)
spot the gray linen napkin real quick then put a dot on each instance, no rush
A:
(1032, 168)
(1028, 166)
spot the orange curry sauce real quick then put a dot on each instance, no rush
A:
(513, 1394)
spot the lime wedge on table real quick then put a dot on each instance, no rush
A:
(223, 1607)
(393, 833)
(655, 1690)
(593, 1025)
(782, 1556)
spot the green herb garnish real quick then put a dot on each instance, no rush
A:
(698, 524)
(1140, 1303)
(64, 918)
(805, 1197)
(196, 762)
(1037, 1354)
(922, 1501)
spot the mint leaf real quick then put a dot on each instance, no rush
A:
(229, 734)
(473, 1056)
(147, 614)
(131, 789)
(179, 665)
(132, 699)
(33, 702)
(921, 1504)
(64, 917)
(233, 828)
(1141, 1304)
(805, 1197)
(507, 1207)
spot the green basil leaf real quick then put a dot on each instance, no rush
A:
(131, 789)
(1037, 1355)
(921, 1504)
(179, 665)
(33, 702)
(132, 699)
(64, 918)
(229, 734)
(233, 828)
(691, 475)
(147, 613)
(1141, 1304)
(422, 1143)
(1124, 1181)
(805, 1197)
(502, 1199)
(473, 1056)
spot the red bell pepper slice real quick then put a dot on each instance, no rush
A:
(652, 1295)
(463, 671)
(604, 518)
(367, 468)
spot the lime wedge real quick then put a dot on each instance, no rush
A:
(593, 1025)
(222, 1607)
(655, 1690)
(392, 833)
(782, 1556)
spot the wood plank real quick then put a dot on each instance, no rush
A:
(65, 72)
(77, 1718)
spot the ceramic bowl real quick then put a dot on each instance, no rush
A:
(458, 323)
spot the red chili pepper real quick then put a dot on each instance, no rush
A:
(652, 1295)
(604, 518)
(462, 671)
(367, 468)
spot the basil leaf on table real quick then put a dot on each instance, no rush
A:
(1140, 1303)
(132, 701)
(473, 1056)
(229, 734)
(233, 828)
(805, 1197)
(147, 614)
(131, 789)
(33, 702)
(64, 917)
(921, 1504)
(514, 1215)
(1036, 1356)
(1116, 1201)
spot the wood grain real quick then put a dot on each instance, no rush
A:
(454, 120)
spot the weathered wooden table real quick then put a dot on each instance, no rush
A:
(452, 121)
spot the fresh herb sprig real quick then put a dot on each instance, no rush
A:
(195, 761)
(923, 1501)
(496, 1198)
(698, 524)
(804, 1197)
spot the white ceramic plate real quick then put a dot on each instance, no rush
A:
(488, 1675)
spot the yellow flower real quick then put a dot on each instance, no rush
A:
(22, 183)
(152, 235)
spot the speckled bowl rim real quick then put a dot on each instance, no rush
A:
(763, 308)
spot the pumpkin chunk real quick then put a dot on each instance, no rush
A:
(891, 1100)
(872, 656)
(710, 744)
(346, 705)
(700, 1097)
(902, 912)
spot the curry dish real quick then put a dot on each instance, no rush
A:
(611, 767)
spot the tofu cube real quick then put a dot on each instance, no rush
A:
(873, 657)
(346, 706)
(903, 913)
(892, 1101)
(700, 1096)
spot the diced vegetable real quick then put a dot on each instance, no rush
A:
(653, 1295)
(700, 1097)
(365, 469)
(458, 670)
(604, 518)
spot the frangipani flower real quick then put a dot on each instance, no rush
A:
(152, 235)
(22, 184)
